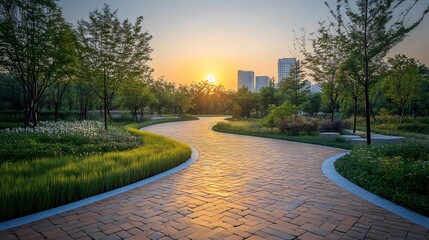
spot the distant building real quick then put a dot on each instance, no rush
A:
(315, 88)
(284, 65)
(246, 78)
(261, 81)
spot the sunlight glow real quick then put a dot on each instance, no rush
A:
(211, 79)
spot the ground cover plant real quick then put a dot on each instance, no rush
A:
(29, 186)
(256, 128)
(394, 125)
(56, 139)
(399, 173)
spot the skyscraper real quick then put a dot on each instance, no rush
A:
(246, 78)
(284, 66)
(261, 81)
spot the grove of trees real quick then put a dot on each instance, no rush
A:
(101, 64)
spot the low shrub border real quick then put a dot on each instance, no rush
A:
(399, 173)
(33, 186)
(329, 170)
(247, 129)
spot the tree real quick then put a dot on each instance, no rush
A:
(31, 47)
(313, 104)
(279, 115)
(10, 94)
(323, 63)
(246, 101)
(371, 29)
(423, 101)
(136, 97)
(65, 74)
(113, 51)
(295, 87)
(269, 96)
(351, 76)
(182, 100)
(163, 92)
(402, 81)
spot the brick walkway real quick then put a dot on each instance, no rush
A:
(240, 188)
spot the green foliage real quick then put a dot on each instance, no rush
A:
(396, 172)
(34, 46)
(387, 124)
(338, 125)
(313, 104)
(281, 114)
(258, 129)
(10, 93)
(113, 52)
(55, 140)
(32, 186)
(369, 29)
(246, 100)
(270, 95)
(285, 117)
(300, 127)
(136, 97)
(402, 81)
(295, 87)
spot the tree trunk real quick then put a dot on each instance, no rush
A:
(367, 116)
(105, 108)
(366, 85)
(355, 114)
(57, 106)
(402, 113)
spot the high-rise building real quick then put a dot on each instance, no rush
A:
(246, 78)
(261, 81)
(315, 88)
(284, 65)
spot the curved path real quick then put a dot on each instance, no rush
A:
(240, 188)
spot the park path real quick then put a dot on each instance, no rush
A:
(240, 188)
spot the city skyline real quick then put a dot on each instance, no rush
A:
(197, 40)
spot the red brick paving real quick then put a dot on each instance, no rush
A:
(240, 188)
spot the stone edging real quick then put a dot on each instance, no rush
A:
(328, 169)
(53, 211)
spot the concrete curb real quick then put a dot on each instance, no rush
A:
(53, 211)
(328, 169)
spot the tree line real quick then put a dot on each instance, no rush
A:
(101, 63)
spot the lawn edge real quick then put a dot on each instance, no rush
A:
(330, 172)
(83, 202)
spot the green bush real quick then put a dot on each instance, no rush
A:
(399, 173)
(300, 127)
(338, 125)
(257, 128)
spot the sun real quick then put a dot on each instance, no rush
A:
(211, 78)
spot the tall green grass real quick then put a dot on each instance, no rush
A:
(30, 186)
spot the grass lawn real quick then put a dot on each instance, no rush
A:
(98, 162)
(255, 128)
(399, 173)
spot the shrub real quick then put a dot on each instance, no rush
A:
(396, 172)
(337, 125)
(281, 114)
(295, 128)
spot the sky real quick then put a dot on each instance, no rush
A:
(195, 40)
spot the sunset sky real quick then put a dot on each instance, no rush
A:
(196, 39)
